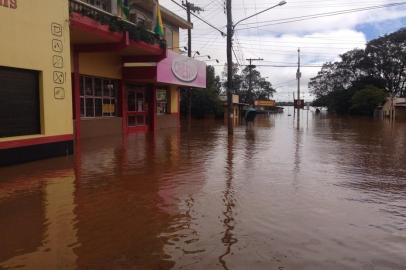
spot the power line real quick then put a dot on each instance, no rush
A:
(236, 58)
(316, 16)
(209, 24)
(280, 66)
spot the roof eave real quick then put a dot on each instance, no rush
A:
(175, 19)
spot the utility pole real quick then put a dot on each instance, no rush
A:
(230, 30)
(230, 34)
(298, 74)
(190, 7)
(250, 75)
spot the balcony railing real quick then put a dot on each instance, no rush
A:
(137, 32)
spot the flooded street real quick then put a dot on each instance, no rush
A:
(327, 194)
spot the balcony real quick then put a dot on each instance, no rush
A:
(94, 19)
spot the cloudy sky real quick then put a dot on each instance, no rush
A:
(268, 36)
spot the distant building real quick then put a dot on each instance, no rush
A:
(393, 108)
(237, 108)
(267, 106)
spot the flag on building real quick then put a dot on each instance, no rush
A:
(158, 26)
(123, 9)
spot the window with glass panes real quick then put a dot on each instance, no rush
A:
(162, 98)
(169, 37)
(98, 97)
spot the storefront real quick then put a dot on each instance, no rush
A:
(158, 86)
(122, 84)
(72, 69)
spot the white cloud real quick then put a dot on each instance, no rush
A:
(321, 39)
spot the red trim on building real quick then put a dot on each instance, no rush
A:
(89, 25)
(143, 58)
(35, 141)
(137, 129)
(140, 74)
(113, 41)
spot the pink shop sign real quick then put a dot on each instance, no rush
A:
(181, 70)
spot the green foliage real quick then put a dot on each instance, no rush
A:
(366, 100)
(382, 65)
(260, 87)
(340, 101)
(206, 102)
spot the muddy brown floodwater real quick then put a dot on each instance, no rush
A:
(327, 194)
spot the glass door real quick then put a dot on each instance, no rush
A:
(137, 107)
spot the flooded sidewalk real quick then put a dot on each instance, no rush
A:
(327, 194)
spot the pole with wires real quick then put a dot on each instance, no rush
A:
(250, 60)
(190, 7)
(230, 33)
(298, 75)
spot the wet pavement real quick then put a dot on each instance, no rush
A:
(327, 194)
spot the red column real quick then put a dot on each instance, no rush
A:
(76, 93)
(153, 108)
(124, 109)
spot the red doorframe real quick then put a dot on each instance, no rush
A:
(126, 113)
(124, 107)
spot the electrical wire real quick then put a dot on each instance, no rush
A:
(209, 24)
(316, 16)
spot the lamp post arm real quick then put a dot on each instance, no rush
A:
(258, 13)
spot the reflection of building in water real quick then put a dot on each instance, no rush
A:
(130, 210)
(38, 229)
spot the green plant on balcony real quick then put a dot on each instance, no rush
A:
(136, 32)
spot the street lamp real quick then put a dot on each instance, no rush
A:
(208, 56)
(197, 52)
(281, 3)
(217, 61)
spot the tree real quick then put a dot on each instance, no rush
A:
(324, 83)
(237, 78)
(206, 101)
(366, 100)
(386, 58)
(382, 65)
(260, 87)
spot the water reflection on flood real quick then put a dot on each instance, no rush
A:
(321, 193)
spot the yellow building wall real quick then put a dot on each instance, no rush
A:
(174, 91)
(176, 40)
(106, 65)
(174, 99)
(31, 35)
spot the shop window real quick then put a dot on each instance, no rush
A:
(162, 98)
(98, 97)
